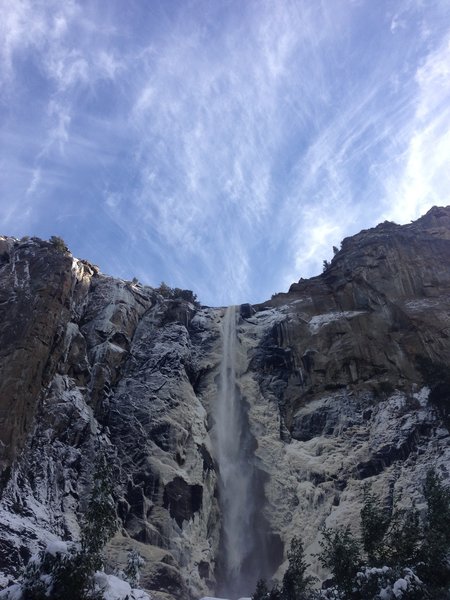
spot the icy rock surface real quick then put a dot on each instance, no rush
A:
(330, 385)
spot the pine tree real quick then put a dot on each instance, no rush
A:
(165, 290)
(275, 593)
(434, 568)
(341, 555)
(58, 243)
(403, 539)
(64, 575)
(69, 574)
(374, 525)
(261, 591)
(100, 522)
(296, 584)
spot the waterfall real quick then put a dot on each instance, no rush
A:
(248, 551)
(235, 479)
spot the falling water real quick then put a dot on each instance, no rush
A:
(245, 543)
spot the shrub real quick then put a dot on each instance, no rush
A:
(132, 570)
(174, 293)
(58, 243)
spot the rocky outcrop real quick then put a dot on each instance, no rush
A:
(342, 379)
(94, 364)
(340, 364)
(35, 290)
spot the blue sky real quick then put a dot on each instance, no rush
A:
(220, 145)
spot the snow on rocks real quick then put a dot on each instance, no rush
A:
(13, 592)
(57, 547)
(110, 587)
(113, 588)
(319, 321)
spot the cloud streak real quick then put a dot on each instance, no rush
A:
(424, 175)
(221, 146)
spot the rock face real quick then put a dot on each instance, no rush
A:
(34, 310)
(339, 378)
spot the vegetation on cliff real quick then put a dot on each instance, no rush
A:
(398, 555)
(74, 570)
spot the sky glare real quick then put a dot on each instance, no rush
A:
(220, 145)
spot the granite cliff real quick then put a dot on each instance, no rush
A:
(342, 381)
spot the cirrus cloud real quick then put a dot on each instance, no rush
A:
(220, 146)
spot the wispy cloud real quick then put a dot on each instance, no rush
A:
(423, 177)
(224, 146)
(35, 179)
(215, 121)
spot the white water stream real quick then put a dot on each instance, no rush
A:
(248, 550)
(235, 472)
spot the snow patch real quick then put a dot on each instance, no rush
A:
(422, 396)
(13, 592)
(399, 586)
(111, 587)
(57, 547)
(421, 304)
(319, 321)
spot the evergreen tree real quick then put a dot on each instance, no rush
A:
(434, 568)
(100, 522)
(60, 576)
(275, 593)
(341, 555)
(165, 290)
(296, 583)
(68, 574)
(376, 583)
(262, 591)
(403, 539)
(58, 243)
(374, 525)
(173, 293)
